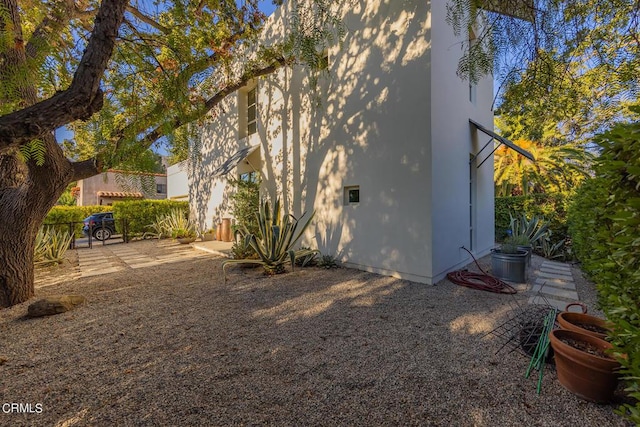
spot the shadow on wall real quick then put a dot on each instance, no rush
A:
(369, 129)
(210, 194)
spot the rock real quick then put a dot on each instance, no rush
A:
(3, 360)
(55, 305)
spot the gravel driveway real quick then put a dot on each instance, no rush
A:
(174, 345)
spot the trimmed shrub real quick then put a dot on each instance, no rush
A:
(550, 206)
(604, 222)
(141, 214)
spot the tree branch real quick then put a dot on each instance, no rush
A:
(52, 24)
(82, 98)
(210, 103)
(86, 168)
(147, 20)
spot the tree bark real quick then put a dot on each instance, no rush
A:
(27, 190)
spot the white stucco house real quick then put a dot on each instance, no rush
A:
(388, 157)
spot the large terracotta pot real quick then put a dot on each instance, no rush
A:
(226, 230)
(583, 323)
(587, 375)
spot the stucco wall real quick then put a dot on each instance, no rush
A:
(178, 181)
(454, 140)
(392, 118)
(116, 182)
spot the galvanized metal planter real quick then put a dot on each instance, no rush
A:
(509, 266)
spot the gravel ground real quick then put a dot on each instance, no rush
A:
(175, 345)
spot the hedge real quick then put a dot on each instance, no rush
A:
(551, 206)
(138, 213)
(604, 220)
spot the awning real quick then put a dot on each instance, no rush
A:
(119, 195)
(233, 161)
(520, 9)
(501, 140)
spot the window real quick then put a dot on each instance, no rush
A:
(352, 195)
(161, 188)
(249, 177)
(252, 113)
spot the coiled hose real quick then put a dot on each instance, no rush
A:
(482, 281)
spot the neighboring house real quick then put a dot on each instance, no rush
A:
(178, 181)
(114, 185)
(382, 149)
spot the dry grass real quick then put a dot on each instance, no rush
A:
(174, 345)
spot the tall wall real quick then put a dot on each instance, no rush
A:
(390, 118)
(462, 215)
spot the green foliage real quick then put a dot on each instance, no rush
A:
(35, 150)
(142, 214)
(242, 249)
(551, 250)
(274, 243)
(605, 225)
(555, 169)
(327, 261)
(309, 257)
(51, 245)
(550, 206)
(245, 203)
(526, 231)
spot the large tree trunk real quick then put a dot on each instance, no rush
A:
(27, 193)
(27, 190)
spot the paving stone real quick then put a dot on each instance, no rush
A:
(555, 276)
(146, 264)
(561, 270)
(560, 305)
(101, 271)
(556, 264)
(562, 284)
(555, 292)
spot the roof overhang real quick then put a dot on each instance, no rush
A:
(234, 160)
(501, 140)
(119, 195)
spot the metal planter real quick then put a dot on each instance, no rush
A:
(509, 266)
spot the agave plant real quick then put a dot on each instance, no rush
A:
(51, 245)
(277, 234)
(174, 224)
(528, 231)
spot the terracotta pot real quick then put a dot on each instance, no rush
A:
(219, 232)
(588, 376)
(572, 322)
(185, 240)
(208, 237)
(226, 230)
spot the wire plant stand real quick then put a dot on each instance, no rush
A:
(526, 330)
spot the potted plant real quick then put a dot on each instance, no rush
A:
(184, 235)
(208, 235)
(584, 323)
(509, 263)
(525, 233)
(584, 366)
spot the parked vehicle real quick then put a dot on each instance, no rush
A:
(100, 225)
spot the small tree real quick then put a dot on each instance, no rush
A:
(246, 203)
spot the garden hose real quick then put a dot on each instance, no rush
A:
(481, 281)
